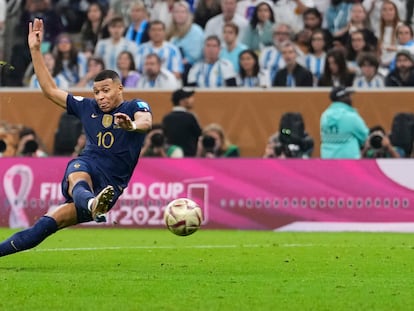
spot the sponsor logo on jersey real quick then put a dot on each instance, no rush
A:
(94, 115)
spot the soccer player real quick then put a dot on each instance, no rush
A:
(115, 131)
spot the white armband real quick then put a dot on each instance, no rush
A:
(134, 126)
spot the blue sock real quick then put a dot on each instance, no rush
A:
(81, 194)
(30, 237)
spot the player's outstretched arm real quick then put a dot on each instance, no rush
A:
(142, 121)
(47, 84)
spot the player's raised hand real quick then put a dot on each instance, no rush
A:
(34, 39)
(124, 121)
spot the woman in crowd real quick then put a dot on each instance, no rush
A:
(336, 72)
(126, 70)
(259, 33)
(214, 143)
(69, 61)
(94, 27)
(389, 22)
(359, 22)
(186, 35)
(58, 77)
(316, 58)
(250, 74)
(356, 45)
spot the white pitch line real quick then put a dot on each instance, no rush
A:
(108, 248)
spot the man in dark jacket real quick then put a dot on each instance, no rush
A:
(403, 74)
(293, 74)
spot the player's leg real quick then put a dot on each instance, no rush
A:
(64, 216)
(80, 189)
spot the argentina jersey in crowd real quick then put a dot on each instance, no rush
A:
(116, 150)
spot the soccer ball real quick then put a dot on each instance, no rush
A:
(183, 216)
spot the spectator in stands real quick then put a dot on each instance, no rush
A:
(387, 37)
(95, 66)
(293, 74)
(215, 24)
(316, 58)
(343, 131)
(94, 28)
(259, 32)
(337, 15)
(58, 77)
(126, 68)
(180, 126)
(20, 57)
(405, 41)
(290, 12)
(205, 10)
(336, 72)
(312, 20)
(69, 61)
(187, 36)
(215, 144)
(137, 30)
(162, 11)
(356, 45)
(369, 76)
(155, 145)
(358, 21)
(109, 49)
(250, 74)
(212, 71)
(374, 11)
(231, 48)
(403, 74)
(378, 145)
(271, 58)
(29, 144)
(156, 76)
(168, 53)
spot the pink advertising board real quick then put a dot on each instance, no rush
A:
(251, 194)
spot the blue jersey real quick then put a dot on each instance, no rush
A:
(110, 150)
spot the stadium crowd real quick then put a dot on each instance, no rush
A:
(169, 44)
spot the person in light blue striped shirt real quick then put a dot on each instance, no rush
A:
(369, 77)
(212, 71)
(110, 48)
(316, 58)
(271, 58)
(58, 77)
(71, 63)
(168, 53)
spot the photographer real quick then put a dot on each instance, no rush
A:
(29, 145)
(291, 141)
(155, 145)
(378, 145)
(213, 143)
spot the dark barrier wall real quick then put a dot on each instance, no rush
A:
(248, 117)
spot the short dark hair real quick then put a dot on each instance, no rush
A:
(368, 58)
(107, 74)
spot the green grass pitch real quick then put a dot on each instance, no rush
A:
(130, 269)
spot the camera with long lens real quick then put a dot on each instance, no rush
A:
(157, 140)
(3, 146)
(209, 143)
(291, 144)
(375, 139)
(30, 147)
